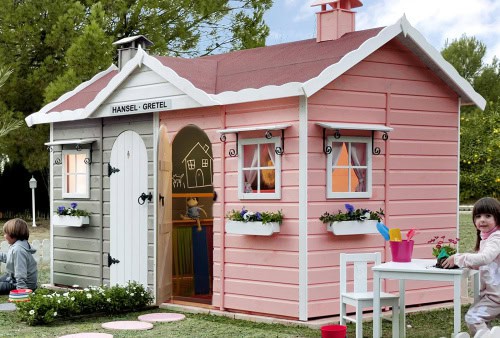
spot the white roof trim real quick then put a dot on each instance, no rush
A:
(266, 127)
(40, 116)
(75, 141)
(369, 46)
(354, 126)
(142, 58)
(401, 29)
(265, 93)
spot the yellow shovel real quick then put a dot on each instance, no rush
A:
(395, 235)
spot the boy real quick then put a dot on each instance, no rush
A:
(21, 267)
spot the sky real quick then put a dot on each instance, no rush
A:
(437, 20)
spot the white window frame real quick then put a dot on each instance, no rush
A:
(369, 168)
(64, 172)
(277, 167)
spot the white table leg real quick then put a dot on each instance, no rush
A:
(376, 305)
(402, 317)
(456, 304)
(476, 287)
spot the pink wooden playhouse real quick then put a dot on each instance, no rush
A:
(369, 118)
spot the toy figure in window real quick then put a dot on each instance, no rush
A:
(268, 175)
(193, 211)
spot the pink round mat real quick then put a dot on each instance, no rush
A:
(88, 335)
(161, 317)
(127, 325)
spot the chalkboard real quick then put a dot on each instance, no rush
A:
(192, 162)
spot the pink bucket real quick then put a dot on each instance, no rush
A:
(333, 331)
(401, 251)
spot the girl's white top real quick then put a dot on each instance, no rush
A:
(487, 261)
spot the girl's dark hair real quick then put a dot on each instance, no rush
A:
(485, 205)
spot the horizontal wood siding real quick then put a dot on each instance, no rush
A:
(390, 87)
(77, 251)
(76, 255)
(260, 273)
(144, 85)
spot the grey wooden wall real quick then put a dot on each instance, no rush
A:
(80, 254)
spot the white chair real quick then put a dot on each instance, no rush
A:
(462, 335)
(360, 297)
(495, 331)
(484, 333)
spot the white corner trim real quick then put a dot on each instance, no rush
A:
(259, 94)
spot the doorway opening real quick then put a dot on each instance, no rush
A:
(192, 217)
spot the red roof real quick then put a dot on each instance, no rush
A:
(251, 68)
(272, 65)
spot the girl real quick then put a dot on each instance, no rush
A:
(486, 218)
(21, 268)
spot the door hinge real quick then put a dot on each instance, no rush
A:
(112, 170)
(112, 260)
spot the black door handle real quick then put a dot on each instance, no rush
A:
(143, 197)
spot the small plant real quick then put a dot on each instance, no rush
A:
(45, 306)
(72, 211)
(352, 215)
(450, 248)
(249, 216)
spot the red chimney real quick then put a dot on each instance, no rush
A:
(334, 22)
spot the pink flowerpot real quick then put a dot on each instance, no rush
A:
(401, 251)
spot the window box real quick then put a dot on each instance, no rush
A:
(69, 221)
(252, 228)
(353, 227)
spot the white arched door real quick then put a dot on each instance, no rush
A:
(128, 218)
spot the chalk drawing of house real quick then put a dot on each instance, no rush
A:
(198, 166)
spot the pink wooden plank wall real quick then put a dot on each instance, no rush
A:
(390, 87)
(261, 273)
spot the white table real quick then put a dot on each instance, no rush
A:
(418, 269)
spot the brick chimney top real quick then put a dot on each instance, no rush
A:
(335, 21)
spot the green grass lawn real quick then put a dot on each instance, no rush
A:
(430, 324)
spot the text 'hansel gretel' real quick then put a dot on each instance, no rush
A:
(141, 107)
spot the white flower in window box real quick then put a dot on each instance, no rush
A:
(246, 222)
(70, 217)
(353, 221)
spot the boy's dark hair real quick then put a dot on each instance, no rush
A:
(486, 205)
(17, 228)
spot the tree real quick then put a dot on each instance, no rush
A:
(54, 45)
(7, 124)
(479, 130)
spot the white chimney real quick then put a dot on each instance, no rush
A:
(127, 47)
(335, 21)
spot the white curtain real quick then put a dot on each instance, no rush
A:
(251, 175)
(358, 158)
(336, 149)
(271, 152)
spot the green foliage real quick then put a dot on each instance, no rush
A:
(46, 306)
(480, 154)
(54, 45)
(450, 247)
(479, 131)
(352, 215)
(71, 211)
(249, 216)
